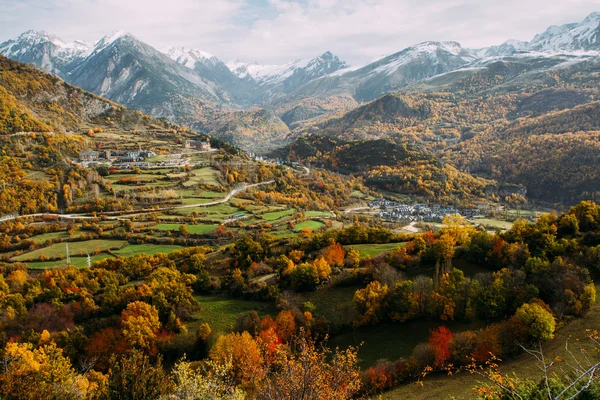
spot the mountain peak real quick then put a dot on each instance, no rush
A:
(111, 37)
(38, 36)
(189, 57)
(593, 17)
(584, 36)
(432, 47)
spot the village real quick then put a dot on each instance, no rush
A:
(394, 211)
(144, 158)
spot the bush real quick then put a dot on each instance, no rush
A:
(538, 320)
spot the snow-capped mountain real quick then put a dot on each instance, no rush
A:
(189, 57)
(126, 70)
(291, 75)
(212, 69)
(442, 56)
(45, 50)
(265, 74)
(584, 36)
(391, 73)
(507, 48)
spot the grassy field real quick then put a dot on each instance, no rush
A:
(525, 213)
(196, 200)
(75, 248)
(43, 238)
(390, 341)
(221, 312)
(335, 304)
(202, 195)
(273, 216)
(312, 225)
(283, 234)
(318, 214)
(207, 176)
(223, 210)
(459, 386)
(200, 229)
(78, 262)
(146, 248)
(374, 249)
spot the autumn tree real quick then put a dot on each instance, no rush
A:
(443, 251)
(43, 373)
(538, 320)
(311, 373)
(441, 339)
(140, 324)
(285, 325)
(369, 302)
(334, 254)
(242, 350)
(323, 268)
(136, 376)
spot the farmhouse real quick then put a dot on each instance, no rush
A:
(89, 156)
(197, 144)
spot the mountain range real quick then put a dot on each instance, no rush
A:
(521, 113)
(197, 89)
(126, 70)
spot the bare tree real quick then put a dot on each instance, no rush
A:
(576, 372)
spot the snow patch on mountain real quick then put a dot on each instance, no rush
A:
(574, 36)
(58, 48)
(431, 51)
(107, 40)
(267, 73)
(189, 57)
(271, 74)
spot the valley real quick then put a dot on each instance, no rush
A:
(176, 227)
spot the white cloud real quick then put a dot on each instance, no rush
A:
(280, 30)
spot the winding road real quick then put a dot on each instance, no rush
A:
(132, 213)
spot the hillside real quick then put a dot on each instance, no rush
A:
(393, 167)
(31, 100)
(187, 85)
(254, 130)
(497, 122)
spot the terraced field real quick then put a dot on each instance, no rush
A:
(200, 229)
(312, 225)
(75, 248)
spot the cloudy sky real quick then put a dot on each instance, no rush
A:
(280, 30)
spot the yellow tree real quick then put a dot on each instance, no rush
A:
(459, 228)
(311, 373)
(44, 373)
(322, 267)
(444, 251)
(140, 324)
(244, 354)
(369, 302)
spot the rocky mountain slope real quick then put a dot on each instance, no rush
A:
(34, 101)
(197, 89)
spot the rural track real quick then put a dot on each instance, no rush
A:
(110, 214)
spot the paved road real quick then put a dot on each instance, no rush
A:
(110, 214)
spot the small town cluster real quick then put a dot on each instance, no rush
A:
(394, 211)
(126, 159)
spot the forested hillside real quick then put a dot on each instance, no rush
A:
(498, 122)
(399, 168)
(34, 101)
